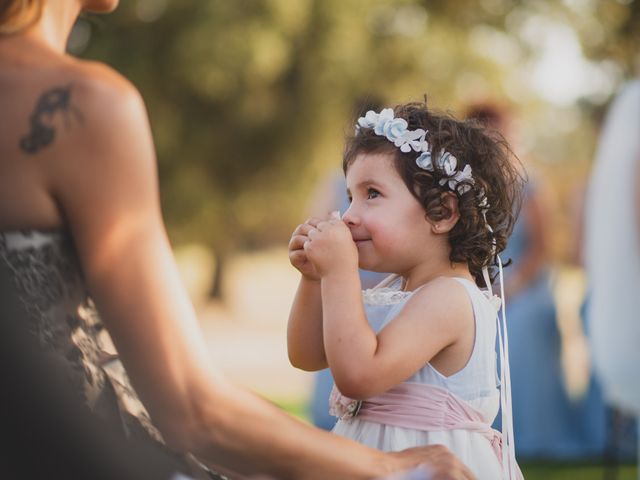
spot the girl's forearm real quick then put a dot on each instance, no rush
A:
(305, 343)
(350, 343)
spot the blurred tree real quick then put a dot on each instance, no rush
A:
(249, 99)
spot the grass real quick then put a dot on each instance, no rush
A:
(576, 471)
(298, 409)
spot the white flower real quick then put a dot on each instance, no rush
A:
(385, 116)
(424, 161)
(456, 182)
(483, 203)
(370, 120)
(395, 130)
(464, 188)
(412, 139)
(463, 180)
(343, 407)
(447, 162)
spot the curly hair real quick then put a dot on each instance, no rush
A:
(496, 173)
(17, 15)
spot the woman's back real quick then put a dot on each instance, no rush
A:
(47, 101)
(24, 197)
(50, 112)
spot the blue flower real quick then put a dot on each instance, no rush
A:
(385, 116)
(424, 161)
(461, 182)
(412, 139)
(395, 129)
(464, 180)
(370, 120)
(447, 162)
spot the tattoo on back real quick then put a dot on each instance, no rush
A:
(42, 132)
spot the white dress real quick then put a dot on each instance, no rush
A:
(476, 383)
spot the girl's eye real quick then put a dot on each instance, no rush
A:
(372, 193)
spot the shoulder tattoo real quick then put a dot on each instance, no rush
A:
(53, 102)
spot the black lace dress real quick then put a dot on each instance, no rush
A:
(44, 268)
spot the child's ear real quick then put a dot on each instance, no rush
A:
(450, 204)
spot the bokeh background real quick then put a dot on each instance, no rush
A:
(249, 101)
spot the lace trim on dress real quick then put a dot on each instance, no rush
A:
(48, 281)
(389, 293)
(384, 296)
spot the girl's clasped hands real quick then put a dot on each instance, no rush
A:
(322, 247)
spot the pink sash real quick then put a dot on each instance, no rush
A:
(427, 408)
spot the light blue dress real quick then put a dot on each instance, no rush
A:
(547, 424)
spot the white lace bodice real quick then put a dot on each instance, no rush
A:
(384, 296)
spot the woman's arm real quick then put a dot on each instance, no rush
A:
(104, 179)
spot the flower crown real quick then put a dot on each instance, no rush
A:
(396, 131)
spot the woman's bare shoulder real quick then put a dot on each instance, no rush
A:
(101, 105)
(107, 129)
(97, 85)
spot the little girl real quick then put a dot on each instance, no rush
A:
(413, 359)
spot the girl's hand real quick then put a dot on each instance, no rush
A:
(330, 246)
(297, 255)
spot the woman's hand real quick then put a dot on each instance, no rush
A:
(436, 463)
(330, 247)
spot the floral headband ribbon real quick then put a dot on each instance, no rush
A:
(396, 131)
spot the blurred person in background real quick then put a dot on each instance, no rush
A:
(619, 433)
(612, 252)
(84, 242)
(547, 423)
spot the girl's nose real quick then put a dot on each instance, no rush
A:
(350, 216)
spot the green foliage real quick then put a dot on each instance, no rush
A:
(249, 99)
